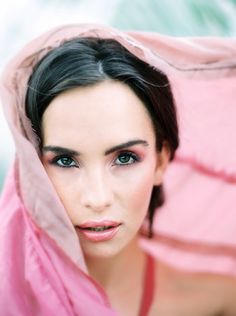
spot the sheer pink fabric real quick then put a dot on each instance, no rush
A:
(42, 269)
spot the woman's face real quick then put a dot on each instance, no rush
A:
(99, 152)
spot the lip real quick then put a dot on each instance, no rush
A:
(98, 236)
(94, 224)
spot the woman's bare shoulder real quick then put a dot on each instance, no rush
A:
(180, 292)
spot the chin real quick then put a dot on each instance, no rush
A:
(108, 249)
(101, 251)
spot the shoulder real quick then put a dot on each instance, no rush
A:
(179, 292)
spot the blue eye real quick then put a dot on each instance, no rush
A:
(64, 162)
(126, 158)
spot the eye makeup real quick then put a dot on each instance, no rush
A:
(64, 161)
(125, 158)
(67, 158)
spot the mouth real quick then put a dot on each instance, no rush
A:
(98, 231)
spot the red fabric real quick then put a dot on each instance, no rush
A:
(149, 286)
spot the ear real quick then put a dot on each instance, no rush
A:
(163, 158)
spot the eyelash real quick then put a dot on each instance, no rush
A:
(55, 162)
(131, 155)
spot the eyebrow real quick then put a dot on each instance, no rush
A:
(60, 150)
(71, 152)
(125, 145)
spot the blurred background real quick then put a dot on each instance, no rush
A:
(22, 20)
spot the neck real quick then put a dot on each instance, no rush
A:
(110, 272)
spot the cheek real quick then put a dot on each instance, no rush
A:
(65, 188)
(141, 193)
(138, 190)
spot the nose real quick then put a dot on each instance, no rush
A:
(96, 192)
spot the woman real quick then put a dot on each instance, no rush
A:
(91, 104)
(102, 123)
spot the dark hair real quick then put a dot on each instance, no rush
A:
(87, 61)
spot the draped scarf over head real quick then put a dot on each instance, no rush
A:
(42, 269)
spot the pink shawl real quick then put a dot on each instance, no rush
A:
(42, 270)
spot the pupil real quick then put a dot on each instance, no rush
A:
(66, 161)
(124, 158)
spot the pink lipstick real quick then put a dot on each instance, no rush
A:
(98, 231)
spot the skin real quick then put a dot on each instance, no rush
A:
(100, 183)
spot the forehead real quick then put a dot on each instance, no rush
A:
(107, 110)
